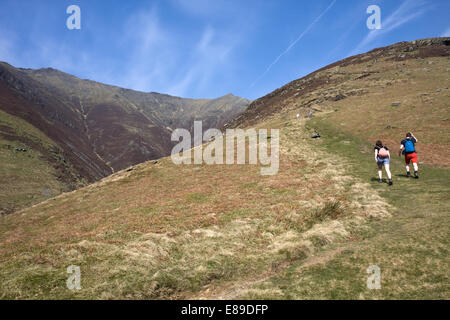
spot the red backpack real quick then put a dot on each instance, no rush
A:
(382, 152)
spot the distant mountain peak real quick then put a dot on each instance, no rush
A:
(103, 128)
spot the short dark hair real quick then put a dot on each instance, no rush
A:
(379, 143)
(408, 135)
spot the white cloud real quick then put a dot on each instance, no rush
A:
(446, 33)
(149, 56)
(7, 48)
(207, 8)
(147, 52)
(162, 59)
(209, 57)
(407, 11)
(42, 51)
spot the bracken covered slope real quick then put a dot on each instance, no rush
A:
(161, 230)
(96, 129)
(380, 94)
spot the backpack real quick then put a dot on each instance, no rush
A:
(409, 147)
(382, 153)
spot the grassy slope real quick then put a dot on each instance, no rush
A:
(25, 177)
(159, 231)
(162, 231)
(424, 99)
(147, 233)
(411, 248)
(31, 177)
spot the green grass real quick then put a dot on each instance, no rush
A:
(330, 210)
(197, 197)
(411, 248)
(158, 236)
(23, 128)
(27, 177)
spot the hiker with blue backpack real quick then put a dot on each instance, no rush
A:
(382, 158)
(408, 148)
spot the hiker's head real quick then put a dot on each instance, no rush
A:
(379, 143)
(408, 135)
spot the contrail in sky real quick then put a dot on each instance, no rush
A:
(293, 43)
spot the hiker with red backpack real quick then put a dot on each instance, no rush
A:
(408, 148)
(382, 158)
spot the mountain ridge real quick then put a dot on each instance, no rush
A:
(100, 128)
(399, 51)
(160, 230)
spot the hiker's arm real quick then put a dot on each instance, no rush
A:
(400, 151)
(389, 155)
(376, 154)
(414, 137)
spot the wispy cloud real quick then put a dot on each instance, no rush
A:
(293, 43)
(195, 48)
(207, 8)
(160, 58)
(446, 33)
(6, 48)
(147, 52)
(407, 11)
(46, 52)
(209, 56)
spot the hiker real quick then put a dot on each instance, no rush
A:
(382, 158)
(408, 148)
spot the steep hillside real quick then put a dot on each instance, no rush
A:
(98, 128)
(32, 165)
(378, 95)
(160, 230)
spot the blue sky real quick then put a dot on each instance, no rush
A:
(206, 48)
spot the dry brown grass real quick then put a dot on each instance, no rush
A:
(163, 231)
(424, 109)
(167, 231)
